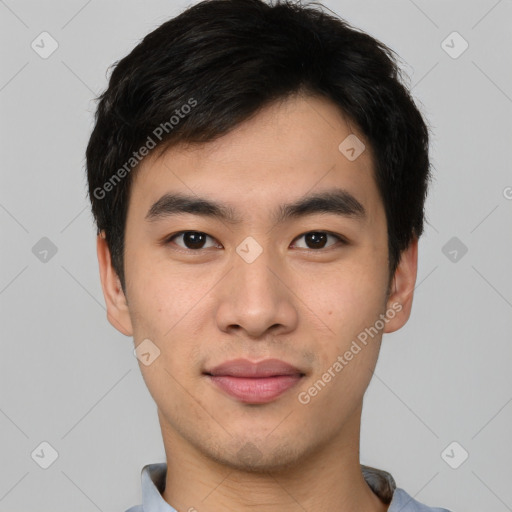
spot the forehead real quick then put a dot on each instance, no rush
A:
(287, 150)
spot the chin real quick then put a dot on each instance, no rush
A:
(258, 457)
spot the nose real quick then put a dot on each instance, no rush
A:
(256, 297)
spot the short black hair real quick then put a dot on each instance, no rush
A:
(202, 73)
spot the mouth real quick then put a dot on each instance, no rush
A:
(254, 383)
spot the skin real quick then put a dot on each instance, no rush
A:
(296, 303)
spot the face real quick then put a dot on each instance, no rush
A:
(278, 276)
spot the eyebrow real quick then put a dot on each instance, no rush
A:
(335, 201)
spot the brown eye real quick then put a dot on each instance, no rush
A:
(318, 240)
(193, 240)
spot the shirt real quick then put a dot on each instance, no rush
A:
(381, 482)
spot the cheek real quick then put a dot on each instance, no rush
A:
(346, 354)
(159, 294)
(164, 314)
(170, 309)
(346, 304)
(350, 297)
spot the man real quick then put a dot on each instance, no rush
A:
(258, 175)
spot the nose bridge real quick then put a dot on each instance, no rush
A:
(252, 274)
(257, 299)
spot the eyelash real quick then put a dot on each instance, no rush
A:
(170, 238)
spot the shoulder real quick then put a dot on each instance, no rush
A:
(405, 503)
(136, 508)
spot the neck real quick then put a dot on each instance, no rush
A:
(328, 478)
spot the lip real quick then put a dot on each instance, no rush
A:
(252, 382)
(250, 369)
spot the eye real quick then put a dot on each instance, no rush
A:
(197, 240)
(192, 240)
(318, 239)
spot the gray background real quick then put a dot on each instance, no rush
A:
(68, 378)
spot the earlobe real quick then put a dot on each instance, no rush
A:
(115, 300)
(399, 302)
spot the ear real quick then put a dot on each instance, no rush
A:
(117, 306)
(402, 288)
